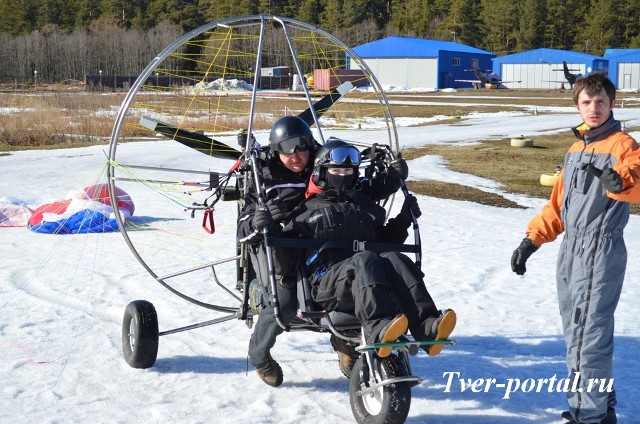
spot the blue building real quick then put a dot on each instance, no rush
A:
(615, 52)
(544, 68)
(624, 68)
(420, 63)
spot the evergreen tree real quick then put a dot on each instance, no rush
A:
(117, 10)
(185, 13)
(332, 18)
(397, 19)
(18, 16)
(462, 23)
(272, 7)
(140, 16)
(291, 8)
(532, 17)
(378, 10)
(629, 18)
(557, 34)
(310, 11)
(45, 28)
(500, 23)
(354, 12)
(599, 31)
(57, 12)
(87, 11)
(213, 10)
(414, 18)
(135, 14)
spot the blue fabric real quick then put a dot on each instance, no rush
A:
(83, 222)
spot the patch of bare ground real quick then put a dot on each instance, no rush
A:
(517, 168)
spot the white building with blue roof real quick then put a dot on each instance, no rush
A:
(624, 68)
(407, 62)
(544, 68)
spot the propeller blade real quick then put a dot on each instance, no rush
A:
(322, 105)
(194, 140)
(214, 148)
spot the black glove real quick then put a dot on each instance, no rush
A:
(609, 178)
(400, 166)
(392, 181)
(521, 254)
(278, 210)
(262, 218)
(409, 207)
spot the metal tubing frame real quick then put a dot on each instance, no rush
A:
(294, 56)
(234, 22)
(199, 325)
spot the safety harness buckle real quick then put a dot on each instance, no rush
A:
(358, 246)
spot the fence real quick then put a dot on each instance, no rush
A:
(98, 82)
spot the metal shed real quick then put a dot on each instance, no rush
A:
(543, 68)
(420, 63)
(624, 68)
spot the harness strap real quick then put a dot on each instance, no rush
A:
(353, 245)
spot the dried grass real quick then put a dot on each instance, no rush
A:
(55, 119)
(517, 168)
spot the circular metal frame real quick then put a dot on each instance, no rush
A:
(287, 24)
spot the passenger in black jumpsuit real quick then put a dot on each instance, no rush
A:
(385, 291)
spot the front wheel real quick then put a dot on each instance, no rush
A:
(387, 404)
(140, 334)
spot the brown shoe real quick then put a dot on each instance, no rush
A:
(391, 332)
(442, 328)
(271, 373)
(347, 354)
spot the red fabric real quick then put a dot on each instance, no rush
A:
(100, 193)
(312, 189)
(56, 207)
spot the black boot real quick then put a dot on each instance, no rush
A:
(439, 328)
(388, 330)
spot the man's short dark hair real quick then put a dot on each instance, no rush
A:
(593, 84)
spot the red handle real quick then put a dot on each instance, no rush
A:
(208, 213)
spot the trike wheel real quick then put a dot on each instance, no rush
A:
(140, 334)
(388, 404)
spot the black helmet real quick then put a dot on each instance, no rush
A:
(336, 154)
(290, 133)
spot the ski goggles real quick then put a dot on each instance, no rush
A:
(289, 145)
(341, 155)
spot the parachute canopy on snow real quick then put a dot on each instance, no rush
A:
(15, 212)
(83, 211)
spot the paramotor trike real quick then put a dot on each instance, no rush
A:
(185, 112)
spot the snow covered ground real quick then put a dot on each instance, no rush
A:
(62, 299)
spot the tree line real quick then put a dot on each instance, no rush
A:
(55, 40)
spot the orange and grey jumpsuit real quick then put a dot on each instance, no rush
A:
(592, 258)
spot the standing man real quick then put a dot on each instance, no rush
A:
(590, 204)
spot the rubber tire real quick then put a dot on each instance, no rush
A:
(548, 180)
(140, 334)
(521, 142)
(389, 404)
